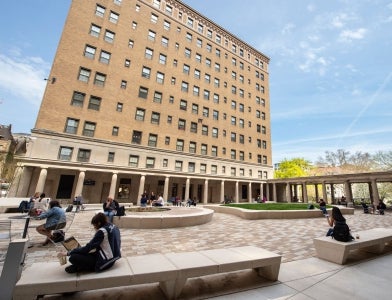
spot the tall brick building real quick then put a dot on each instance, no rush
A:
(150, 95)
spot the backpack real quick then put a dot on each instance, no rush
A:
(69, 208)
(58, 236)
(120, 211)
(341, 232)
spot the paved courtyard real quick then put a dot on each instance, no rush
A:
(291, 238)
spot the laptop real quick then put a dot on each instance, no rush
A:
(70, 243)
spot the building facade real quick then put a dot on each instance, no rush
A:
(150, 95)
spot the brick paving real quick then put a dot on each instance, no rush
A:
(292, 238)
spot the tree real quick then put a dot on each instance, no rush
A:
(296, 167)
(383, 160)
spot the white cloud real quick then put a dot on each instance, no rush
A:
(349, 35)
(288, 28)
(23, 77)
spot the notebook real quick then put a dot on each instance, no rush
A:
(70, 243)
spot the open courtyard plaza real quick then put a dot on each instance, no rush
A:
(302, 274)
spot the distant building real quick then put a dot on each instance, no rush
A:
(149, 95)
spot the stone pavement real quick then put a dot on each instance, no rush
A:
(292, 238)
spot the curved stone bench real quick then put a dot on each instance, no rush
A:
(274, 214)
(175, 217)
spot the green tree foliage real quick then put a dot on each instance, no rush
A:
(296, 167)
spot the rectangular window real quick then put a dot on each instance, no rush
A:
(160, 78)
(233, 154)
(151, 35)
(214, 150)
(203, 168)
(165, 42)
(192, 147)
(194, 127)
(65, 153)
(183, 104)
(191, 167)
(166, 25)
(109, 36)
(167, 140)
(94, 103)
(133, 161)
(140, 112)
(148, 53)
(162, 59)
(188, 37)
(203, 149)
(155, 117)
(136, 137)
(216, 98)
(89, 51)
(143, 92)
(89, 129)
(157, 97)
(119, 107)
(188, 52)
(115, 131)
(77, 99)
(195, 108)
(146, 72)
(165, 163)
(184, 86)
(95, 30)
(186, 69)
(178, 165)
(204, 130)
(100, 11)
(152, 140)
(84, 155)
(181, 124)
(113, 17)
(196, 91)
(104, 57)
(84, 74)
(71, 126)
(180, 145)
(206, 112)
(99, 79)
(154, 18)
(111, 157)
(150, 162)
(214, 169)
(215, 132)
(197, 74)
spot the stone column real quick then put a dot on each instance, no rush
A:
(274, 196)
(41, 180)
(267, 192)
(205, 197)
(187, 185)
(141, 188)
(250, 192)
(325, 196)
(21, 182)
(288, 192)
(79, 184)
(166, 189)
(261, 191)
(375, 196)
(316, 192)
(333, 200)
(304, 192)
(237, 195)
(222, 192)
(113, 185)
(348, 192)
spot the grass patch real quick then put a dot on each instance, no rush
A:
(273, 206)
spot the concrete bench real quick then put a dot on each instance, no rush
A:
(170, 270)
(372, 240)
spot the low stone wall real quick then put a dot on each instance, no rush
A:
(274, 214)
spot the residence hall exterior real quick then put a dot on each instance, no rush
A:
(149, 95)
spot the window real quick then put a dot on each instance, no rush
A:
(151, 35)
(89, 129)
(84, 155)
(214, 169)
(204, 130)
(178, 165)
(148, 53)
(191, 167)
(157, 3)
(71, 126)
(216, 98)
(190, 22)
(264, 143)
(119, 107)
(157, 97)
(215, 115)
(242, 123)
(203, 149)
(137, 7)
(123, 84)
(154, 18)
(183, 104)
(196, 91)
(89, 51)
(140, 112)
(111, 157)
(206, 95)
(94, 103)
(233, 104)
(136, 137)
(195, 108)
(104, 57)
(133, 161)
(233, 137)
(115, 130)
(209, 33)
(180, 145)
(192, 147)
(65, 153)
(166, 25)
(242, 139)
(218, 38)
(169, 10)
(146, 72)
(200, 28)
(134, 25)
(127, 63)
(208, 62)
(216, 82)
(169, 119)
(217, 67)
(99, 79)
(264, 159)
(95, 30)
(181, 124)
(109, 36)
(203, 168)
(187, 52)
(215, 132)
(188, 37)
(233, 120)
(199, 43)
(233, 154)
(263, 130)
(165, 42)
(84, 74)
(242, 172)
(206, 112)
(77, 99)
(214, 150)
(185, 69)
(143, 92)
(160, 77)
(152, 140)
(184, 86)
(167, 140)
(241, 108)
(155, 117)
(162, 59)
(113, 17)
(198, 57)
(194, 127)
(100, 10)
(233, 61)
(197, 74)
(150, 162)
(233, 89)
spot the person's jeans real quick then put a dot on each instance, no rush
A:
(330, 231)
(110, 215)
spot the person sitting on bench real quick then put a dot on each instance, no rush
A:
(55, 219)
(381, 207)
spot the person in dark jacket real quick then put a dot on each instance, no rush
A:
(106, 243)
(110, 208)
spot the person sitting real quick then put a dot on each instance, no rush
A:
(101, 252)
(143, 200)
(323, 207)
(110, 208)
(365, 207)
(159, 201)
(381, 207)
(55, 219)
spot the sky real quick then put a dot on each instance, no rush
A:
(330, 69)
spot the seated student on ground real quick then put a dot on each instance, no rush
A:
(101, 252)
(381, 207)
(55, 219)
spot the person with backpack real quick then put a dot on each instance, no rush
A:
(339, 229)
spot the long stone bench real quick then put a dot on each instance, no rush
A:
(171, 270)
(372, 240)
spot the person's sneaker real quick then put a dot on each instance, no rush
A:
(71, 269)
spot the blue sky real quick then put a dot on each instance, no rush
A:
(330, 69)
